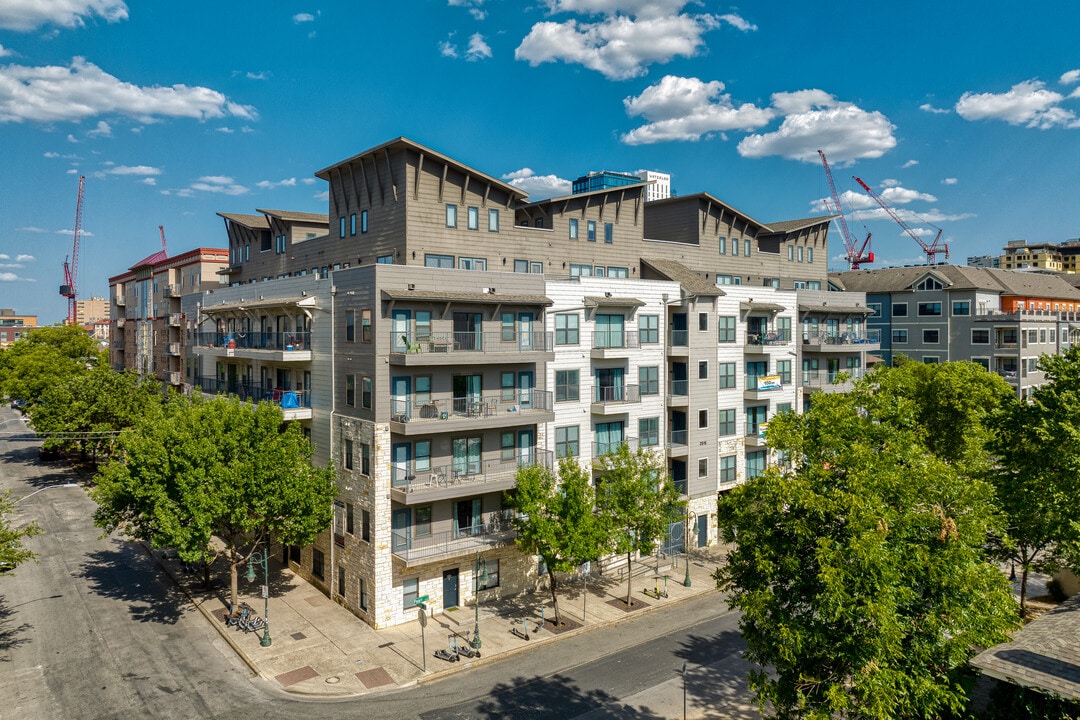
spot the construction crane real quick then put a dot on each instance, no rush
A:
(931, 249)
(855, 256)
(161, 229)
(71, 270)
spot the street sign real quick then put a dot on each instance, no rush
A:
(265, 592)
(423, 617)
(420, 600)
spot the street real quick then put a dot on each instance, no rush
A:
(96, 630)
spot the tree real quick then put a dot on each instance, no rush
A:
(860, 572)
(44, 357)
(1037, 476)
(12, 550)
(637, 503)
(90, 410)
(193, 469)
(556, 518)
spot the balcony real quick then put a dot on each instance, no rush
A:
(760, 342)
(172, 348)
(677, 443)
(175, 320)
(120, 322)
(171, 291)
(679, 343)
(613, 399)
(831, 381)
(295, 404)
(614, 344)
(265, 346)
(678, 393)
(759, 386)
(174, 378)
(442, 412)
(412, 485)
(610, 447)
(456, 348)
(120, 300)
(463, 542)
(118, 344)
(830, 342)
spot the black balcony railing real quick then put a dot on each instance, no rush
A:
(255, 340)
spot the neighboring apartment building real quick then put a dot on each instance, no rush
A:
(147, 323)
(91, 310)
(447, 330)
(12, 326)
(1004, 320)
(1061, 257)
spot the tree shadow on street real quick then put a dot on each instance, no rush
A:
(555, 697)
(716, 675)
(12, 635)
(126, 573)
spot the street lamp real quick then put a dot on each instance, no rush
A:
(264, 559)
(480, 576)
(690, 518)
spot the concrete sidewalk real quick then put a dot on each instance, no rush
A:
(320, 649)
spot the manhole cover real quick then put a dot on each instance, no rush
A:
(333, 679)
(298, 636)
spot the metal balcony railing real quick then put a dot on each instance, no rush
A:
(679, 338)
(608, 339)
(679, 388)
(255, 392)
(419, 475)
(771, 337)
(616, 394)
(472, 342)
(499, 530)
(826, 337)
(255, 340)
(445, 406)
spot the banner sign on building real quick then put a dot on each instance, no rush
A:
(768, 382)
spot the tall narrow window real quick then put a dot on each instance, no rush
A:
(352, 224)
(493, 220)
(573, 229)
(451, 216)
(590, 229)
(609, 233)
(350, 326)
(363, 221)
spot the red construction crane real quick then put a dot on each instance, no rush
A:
(854, 256)
(71, 270)
(931, 249)
(161, 229)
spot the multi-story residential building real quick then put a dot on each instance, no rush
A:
(1004, 320)
(147, 321)
(91, 310)
(13, 326)
(447, 330)
(1061, 257)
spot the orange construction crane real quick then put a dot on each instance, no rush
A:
(931, 249)
(855, 256)
(71, 270)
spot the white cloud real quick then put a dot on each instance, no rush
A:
(269, 185)
(33, 229)
(83, 90)
(1070, 78)
(737, 22)
(219, 184)
(303, 18)
(308, 181)
(257, 75)
(618, 47)
(680, 108)
(949, 181)
(538, 187)
(24, 258)
(4, 52)
(478, 49)
(149, 181)
(640, 8)
(927, 107)
(225, 130)
(103, 129)
(816, 120)
(10, 277)
(448, 49)
(134, 170)
(1028, 103)
(475, 7)
(910, 163)
(26, 15)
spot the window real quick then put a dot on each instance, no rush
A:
(980, 337)
(727, 469)
(349, 526)
(791, 253)
(350, 390)
(703, 322)
(566, 329)
(491, 569)
(725, 375)
(725, 326)
(422, 453)
(493, 220)
(649, 380)
(618, 272)
(703, 370)
(735, 247)
(1033, 336)
(508, 331)
(350, 326)
(809, 254)
(590, 230)
(352, 224)
(317, 563)
(566, 441)
(1042, 336)
(365, 393)
(339, 524)
(410, 591)
(506, 446)
(507, 386)
(347, 454)
(365, 459)
(363, 596)
(722, 243)
(755, 463)
(365, 326)
(783, 369)
(578, 270)
(365, 525)
(931, 360)
(725, 418)
(363, 221)
(930, 336)
(521, 266)
(567, 385)
(703, 418)
(609, 233)
(703, 467)
(649, 431)
(649, 328)
(899, 337)
(341, 229)
(899, 310)
(422, 523)
(340, 582)
(451, 216)
(929, 309)
(536, 267)
(929, 284)
(961, 307)
(573, 229)
(875, 309)
(474, 218)
(438, 261)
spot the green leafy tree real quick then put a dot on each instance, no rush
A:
(194, 469)
(860, 572)
(90, 410)
(556, 518)
(1037, 476)
(44, 357)
(12, 550)
(637, 503)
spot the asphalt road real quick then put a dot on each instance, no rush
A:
(96, 630)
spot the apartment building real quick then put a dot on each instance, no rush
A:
(13, 326)
(437, 329)
(1004, 320)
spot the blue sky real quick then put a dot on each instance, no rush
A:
(964, 115)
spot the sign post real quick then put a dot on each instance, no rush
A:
(419, 603)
